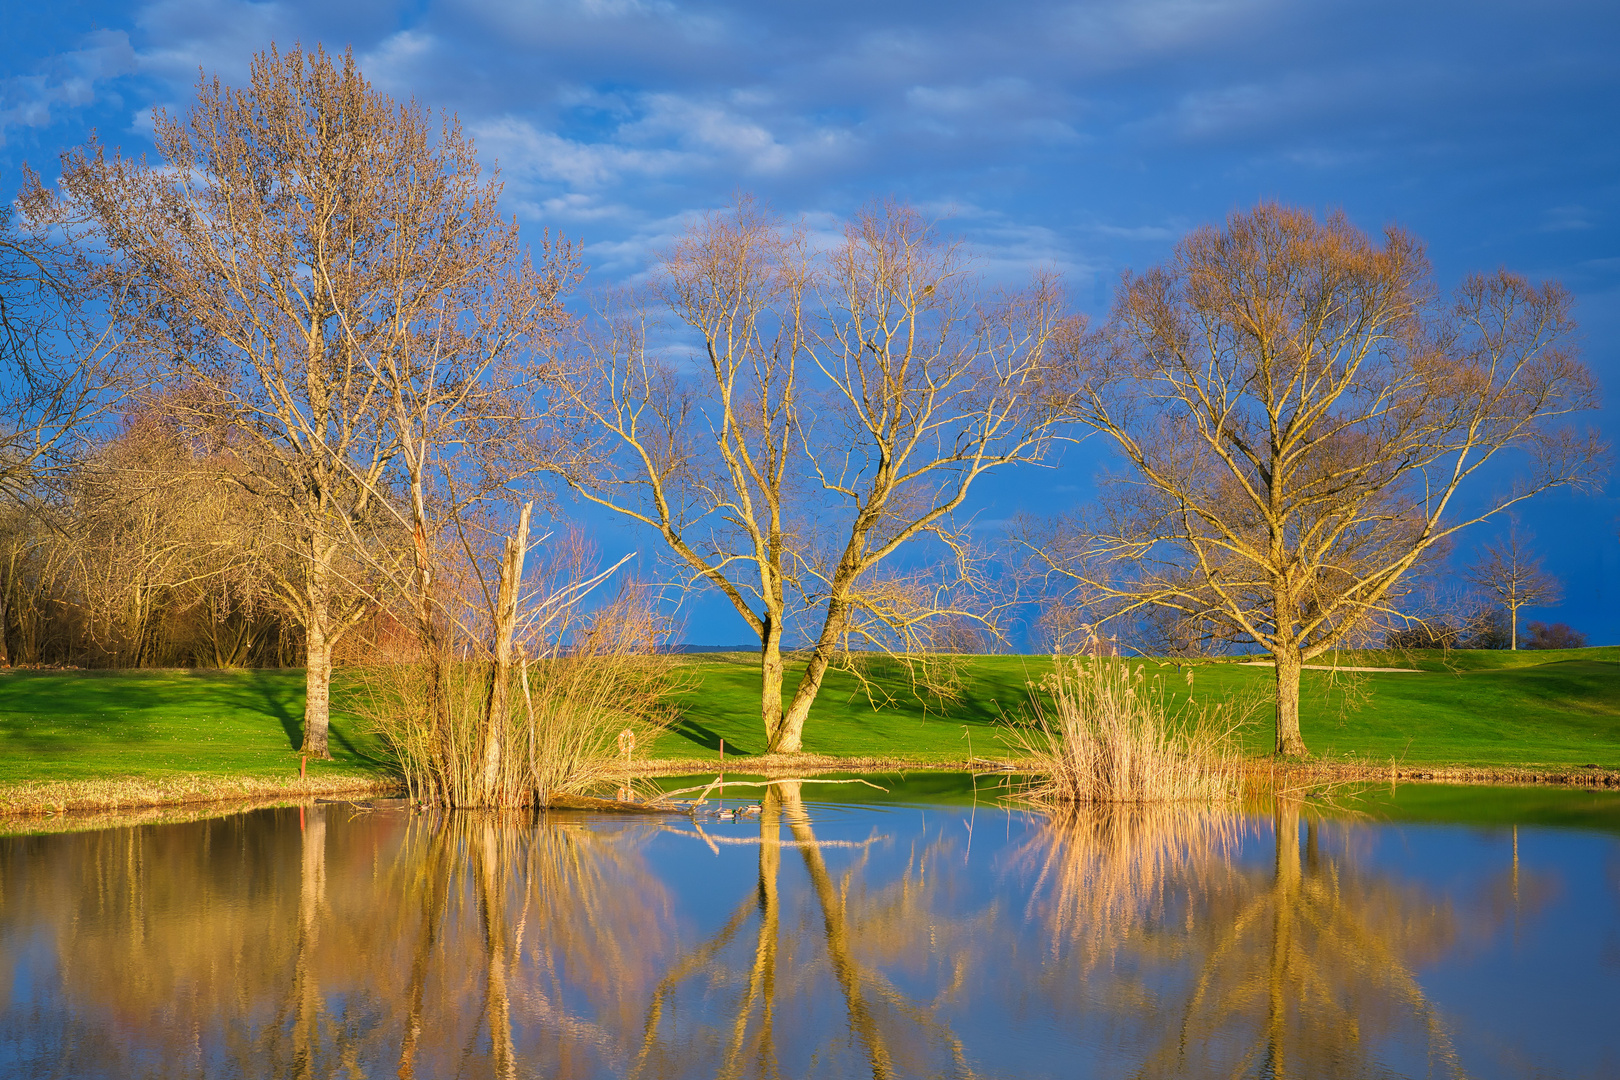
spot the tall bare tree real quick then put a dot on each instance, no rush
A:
(931, 378)
(840, 409)
(297, 254)
(705, 460)
(1298, 414)
(1511, 573)
(58, 368)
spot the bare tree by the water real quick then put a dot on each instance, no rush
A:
(1512, 575)
(307, 244)
(1297, 414)
(843, 407)
(715, 487)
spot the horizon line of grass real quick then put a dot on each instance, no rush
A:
(1546, 713)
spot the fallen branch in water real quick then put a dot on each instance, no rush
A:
(767, 842)
(719, 783)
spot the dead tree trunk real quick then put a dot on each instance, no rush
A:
(506, 614)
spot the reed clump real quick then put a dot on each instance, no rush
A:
(573, 719)
(1101, 731)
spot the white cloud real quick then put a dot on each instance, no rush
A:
(529, 152)
(68, 80)
(1567, 219)
(182, 37)
(1151, 233)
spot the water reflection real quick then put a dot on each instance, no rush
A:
(849, 942)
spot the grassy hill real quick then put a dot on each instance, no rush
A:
(1474, 708)
(1459, 708)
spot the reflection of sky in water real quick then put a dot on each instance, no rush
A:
(1544, 983)
(879, 938)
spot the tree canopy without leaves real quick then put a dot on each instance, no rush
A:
(1297, 414)
(840, 407)
(57, 352)
(307, 250)
(1512, 575)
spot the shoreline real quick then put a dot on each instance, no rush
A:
(52, 798)
(131, 800)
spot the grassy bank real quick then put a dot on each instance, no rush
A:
(195, 735)
(1536, 709)
(100, 740)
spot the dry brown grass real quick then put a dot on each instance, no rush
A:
(1106, 734)
(126, 793)
(564, 730)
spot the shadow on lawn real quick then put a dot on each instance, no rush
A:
(704, 736)
(279, 694)
(47, 711)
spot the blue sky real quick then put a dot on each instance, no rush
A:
(1082, 136)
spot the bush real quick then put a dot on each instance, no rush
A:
(1488, 629)
(574, 718)
(1424, 635)
(1553, 636)
(1109, 737)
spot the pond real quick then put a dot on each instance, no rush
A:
(840, 931)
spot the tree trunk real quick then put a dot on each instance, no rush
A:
(770, 677)
(500, 687)
(1513, 631)
(318, 639)
(790, 735)
(1289, 666)
(431, 640)
(317, 686)
(5, 593)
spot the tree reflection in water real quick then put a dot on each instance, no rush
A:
(327, 942)
(1302, 965)
(864, 935)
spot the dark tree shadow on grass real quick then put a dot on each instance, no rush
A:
(704, 736)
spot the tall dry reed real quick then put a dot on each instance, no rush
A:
(1101, 731)
(564, 723)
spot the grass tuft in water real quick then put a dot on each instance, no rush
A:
(1101, 731)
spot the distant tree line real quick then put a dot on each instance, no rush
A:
(279, 397)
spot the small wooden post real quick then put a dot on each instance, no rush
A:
(722, 753)
(303, 760)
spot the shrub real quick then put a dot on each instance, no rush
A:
(573, 718)
(1107, 735)
(1553, 636)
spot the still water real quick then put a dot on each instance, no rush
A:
(913, 934)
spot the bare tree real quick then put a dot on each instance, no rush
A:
(57, 351)
(705, 461)
(930, 379)
(58, 369)
(1298, 414)
(304, 248)
(1511, 573)
(840, 410)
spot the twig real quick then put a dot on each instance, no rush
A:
(717, 782)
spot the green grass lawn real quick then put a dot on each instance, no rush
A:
(1527, 708)
(1558, 712)
(721, 701)
(1474, 708)
(85, 725)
